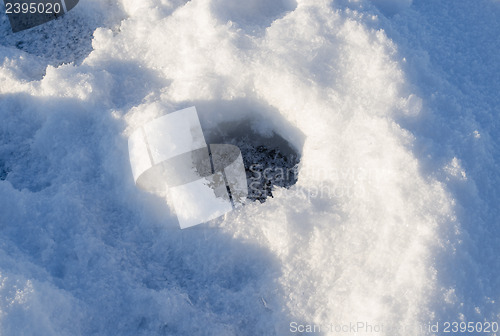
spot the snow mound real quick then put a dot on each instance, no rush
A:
(378, 222)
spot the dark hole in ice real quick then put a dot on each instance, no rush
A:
(270, 161)
(268, 165)
(269, 144)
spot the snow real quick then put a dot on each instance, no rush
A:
(392, 105)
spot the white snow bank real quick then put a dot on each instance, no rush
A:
(355, 240)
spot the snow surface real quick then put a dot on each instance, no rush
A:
(392, 105)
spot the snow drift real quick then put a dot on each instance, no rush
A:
(393, 219)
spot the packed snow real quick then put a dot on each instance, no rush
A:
(392, 223)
